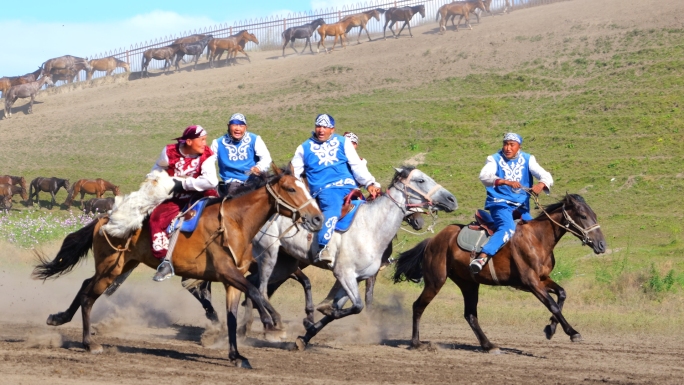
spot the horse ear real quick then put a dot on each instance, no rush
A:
(398, 170)
(275, 169)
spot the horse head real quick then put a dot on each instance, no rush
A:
(421, 190)
(375, 14)
(23, 193)
(125, 66)
(63, 182)
(421, 10)
(581, 220)
(47, 79)
(293, 200)
(116, 191)
(318, 22)
(251, 37)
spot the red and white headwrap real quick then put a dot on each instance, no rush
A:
(352, 137)
(192, 132)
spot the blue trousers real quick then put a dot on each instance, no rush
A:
(330, 200)
(503, 217)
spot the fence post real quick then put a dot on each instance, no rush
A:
(339, 15)
(231, 30)
(128, 59)
(284, 24)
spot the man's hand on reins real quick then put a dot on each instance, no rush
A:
(538, 188)
(373, 190)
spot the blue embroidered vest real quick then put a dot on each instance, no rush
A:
(236, 158)
(517, 169)
(325, 164)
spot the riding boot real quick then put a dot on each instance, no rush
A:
(478, 263)
(325, 256)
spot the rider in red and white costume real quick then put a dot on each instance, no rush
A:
(191, 163)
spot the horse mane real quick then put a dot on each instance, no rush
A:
(405, 171)
(255, 182)
(557, 205)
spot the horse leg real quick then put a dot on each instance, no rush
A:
(293, 47)
(553, 287)
(408, 23)
(537, 288)
(367, 34)
(384, 30)
(30, 108)
(392, 29)
(370, 284)
(303, 280)
(470, 292)
(232, 303)
(434, 276)
(203, 294)
(63, 317)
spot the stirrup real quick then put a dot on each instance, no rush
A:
(164, 271)
(477, 264)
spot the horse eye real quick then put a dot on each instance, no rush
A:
(290, 189)
(421, 180)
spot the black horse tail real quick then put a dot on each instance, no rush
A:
(410, 264)
(74, 248)
(31, 187)
(439, 12)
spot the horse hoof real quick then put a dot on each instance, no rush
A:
(275, 335)
(56, 320)
(494, 350)
(307, 323)
(300, 344)
(94, 349)
(423, 347)
(325, 309)
(576, 338)
(549, 331)
(242, 363)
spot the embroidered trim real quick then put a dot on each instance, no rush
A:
(238, 152)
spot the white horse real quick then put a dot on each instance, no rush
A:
(358, 252)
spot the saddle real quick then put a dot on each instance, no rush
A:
(351, 204)
(476, 234)
(192, 212)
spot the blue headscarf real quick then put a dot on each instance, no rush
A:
(514, 137)
(325, 120)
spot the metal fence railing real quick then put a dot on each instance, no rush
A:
(268, 30)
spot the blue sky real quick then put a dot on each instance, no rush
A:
(38, 30)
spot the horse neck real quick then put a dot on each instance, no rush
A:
(386, 213)
(549, 233)
(255, 209)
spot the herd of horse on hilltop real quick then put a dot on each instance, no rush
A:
(67, 68)
(16, 185)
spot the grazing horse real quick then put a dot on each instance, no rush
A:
(194, 49)
(27, 90)
(28, 78)
(338, 29)
(12, 190)
(525, 263)
(232, 44)
(51, 185)
(95, 187)
(15, 180)
(96, 205)
(108, 64)
(358, 252)
(163, 53)
(462, 8)
(217, 251)
(301, 32)
(361, 19)
(67, 62)
(6, 202)
(404, 14)
(69, 74)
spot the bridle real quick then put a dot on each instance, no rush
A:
(410, 192)
(279, 201)
(579, 231)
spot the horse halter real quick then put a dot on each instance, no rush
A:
(281, 202)
(414, 193)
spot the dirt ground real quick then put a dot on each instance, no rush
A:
(154, 334)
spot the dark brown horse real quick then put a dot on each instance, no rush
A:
(217, 251)
(98, 205)
(163, 53)
(404, 14)
(12, 190)
(525, 263)
(15, 180)
(361, 19)
(194, 48)
(51, 185)
(95, 187)
(301, 32)
(22, 91)
(6, 202)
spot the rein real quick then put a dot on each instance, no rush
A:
(581, 233)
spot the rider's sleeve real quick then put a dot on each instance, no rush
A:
(539, 173)
(298, 162)
(358, 166)
(162, 162)
(488, 173)
(207, 179)
(262, 152)
(214, 147)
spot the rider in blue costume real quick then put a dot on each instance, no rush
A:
(504, 175)
(240, 154)
(332, 168)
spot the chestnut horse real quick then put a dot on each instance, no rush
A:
(12, 190)
(525, 263)
(361, 19)
(338, 29)
(404, 14)
(28, 78)
(218, 250)
(51, 185)
(15, 180)
(232, 44)
(163, 53)
(301, 32)
(462, 8)
(67, 62)
(95, 187)
(27, 90)
(108, 64)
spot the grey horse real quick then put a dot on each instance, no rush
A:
(358, 252)
(301, 32)
(27, 90)
(193, 49)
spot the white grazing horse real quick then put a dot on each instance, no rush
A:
(358, 252)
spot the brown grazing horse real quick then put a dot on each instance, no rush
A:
(95, 187)
(96, 205)
(218, 251)
(69, 74)
(361, 19)
(163, 53)
(232, 44)
(28, 90)
(338, 29)
(404, 14)
(15, 180)
(7, 82)
(108, 64)
(12, 190)
(67, 62)
(51, 185)
(525, 263)
(462, 8)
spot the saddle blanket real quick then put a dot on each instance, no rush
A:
(345, 222)
(472, 240)
(191, 218)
